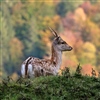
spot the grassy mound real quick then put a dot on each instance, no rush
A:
(65, 87)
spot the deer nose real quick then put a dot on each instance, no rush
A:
(70, 48)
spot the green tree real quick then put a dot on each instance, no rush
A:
(7, 33)
(11, 47)
(65, 6)
(29, 22)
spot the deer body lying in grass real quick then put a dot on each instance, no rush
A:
(35, 67)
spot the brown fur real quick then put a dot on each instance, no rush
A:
(43, 67)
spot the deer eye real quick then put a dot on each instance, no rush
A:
(63, 42)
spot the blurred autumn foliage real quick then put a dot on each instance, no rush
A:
(24, 32)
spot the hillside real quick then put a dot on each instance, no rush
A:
(65, 87)
(76, 21)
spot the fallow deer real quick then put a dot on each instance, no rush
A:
(35, 67)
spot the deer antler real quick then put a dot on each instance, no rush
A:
(53, 31)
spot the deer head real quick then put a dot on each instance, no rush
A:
(59, 43)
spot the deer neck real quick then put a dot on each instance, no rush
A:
(56, 58)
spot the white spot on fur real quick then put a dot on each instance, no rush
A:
(23, 70)
(30, 70)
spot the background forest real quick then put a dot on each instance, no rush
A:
(24, 32)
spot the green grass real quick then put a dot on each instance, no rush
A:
(65, 87)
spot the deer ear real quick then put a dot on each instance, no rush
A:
(57, 40)
(54, 32)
